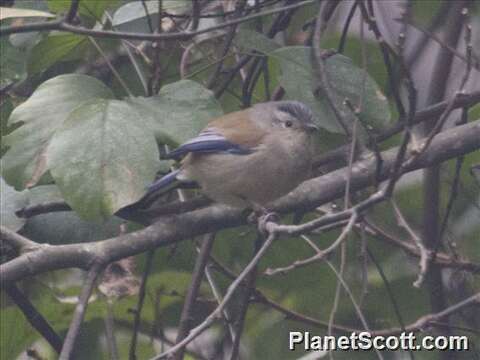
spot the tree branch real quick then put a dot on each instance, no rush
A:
(171, 229)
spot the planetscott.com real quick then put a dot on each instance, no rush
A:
(367, 341)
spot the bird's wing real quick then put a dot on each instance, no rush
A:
(233, 133)
(209, 141)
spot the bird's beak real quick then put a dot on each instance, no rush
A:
(311, 127)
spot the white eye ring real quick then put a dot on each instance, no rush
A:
(288, 124)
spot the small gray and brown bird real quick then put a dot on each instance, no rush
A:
(247, 158)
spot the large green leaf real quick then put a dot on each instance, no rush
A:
(178, 112)
(102, 158)
(42, 114)
(11, 201)
(346, 81)
(56, 47)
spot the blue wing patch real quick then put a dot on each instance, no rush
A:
(208, 141)
(164, 182)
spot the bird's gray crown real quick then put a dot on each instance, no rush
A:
(297, 110)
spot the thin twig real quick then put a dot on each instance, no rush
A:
(424, 253)
(80, 310)
(188, 310)
(319, 256)
(216, 293)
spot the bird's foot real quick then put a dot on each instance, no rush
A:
(261, 216)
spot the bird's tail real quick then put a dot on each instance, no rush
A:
(158, 188)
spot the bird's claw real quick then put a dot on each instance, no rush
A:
(264, 219)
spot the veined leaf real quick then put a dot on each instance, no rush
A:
(41, 115)
(102, 158)
(346, 81)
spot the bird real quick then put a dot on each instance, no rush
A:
(248, 158)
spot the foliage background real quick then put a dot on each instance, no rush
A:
(81, 120)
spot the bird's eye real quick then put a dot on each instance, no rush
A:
(288, 123)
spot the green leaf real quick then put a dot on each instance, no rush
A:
(42, 114)
(102, 158)
(93, 9)
(6, 13)
(346, 81)
(56, 47)
(178, 112)
(11, 201)
(247, 39)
